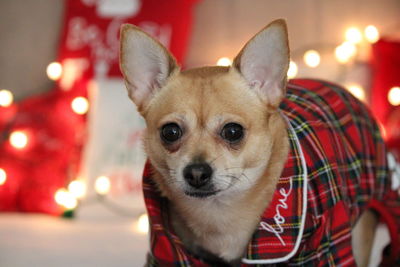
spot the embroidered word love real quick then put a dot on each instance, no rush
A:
(277, 229)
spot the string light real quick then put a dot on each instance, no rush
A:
(3, 176)
(6, 98)
(292, 71)
(394, 96)
(353, 35)
(345, 52)
(357, 91)
(224, 61)
(19, 139)
(312, 58)
(77, 188)
(371, 33)
(142, 225)
(66, 199)
(54, 71)
(80, 105)
(102, 185)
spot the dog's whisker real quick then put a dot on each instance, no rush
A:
(232, 168)
(243, 174)
(212, 161)
(231, 176)
(171, 181)
(235, 177)
(170, 171)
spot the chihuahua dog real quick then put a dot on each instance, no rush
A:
(229, 160)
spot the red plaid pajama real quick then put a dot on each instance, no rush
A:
(336, 169)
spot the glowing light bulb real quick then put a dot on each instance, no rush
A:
(54, 71)
(292, 71)
(312, 58)
(353, 35)
(77, 188)
(357, 91)
(6, 98)
(142, 225)
(394, 96)
(60, 196)
(102, 185)
(371, 33)
(65, 198)
(224, 61)
(19, 139)
(345, 52)
(3, 176)
(80, 105)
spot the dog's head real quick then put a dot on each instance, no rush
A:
(210, 131)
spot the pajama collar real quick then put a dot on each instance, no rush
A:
(281, 228)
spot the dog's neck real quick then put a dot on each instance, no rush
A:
(224, 225)
(219, 226)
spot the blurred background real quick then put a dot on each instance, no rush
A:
(70, 138)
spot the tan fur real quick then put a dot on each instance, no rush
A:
(363, 235)
(201, 101)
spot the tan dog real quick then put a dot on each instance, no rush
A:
(214, 135)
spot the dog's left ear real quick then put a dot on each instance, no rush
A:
(145, 64)
(264, 62)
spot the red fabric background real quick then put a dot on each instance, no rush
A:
(176, 15)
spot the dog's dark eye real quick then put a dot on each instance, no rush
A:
(171, 132)
(232, 132)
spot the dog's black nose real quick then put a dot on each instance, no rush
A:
(197, 174)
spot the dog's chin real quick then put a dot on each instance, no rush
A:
(201, 194)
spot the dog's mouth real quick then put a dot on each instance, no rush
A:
(201, 194)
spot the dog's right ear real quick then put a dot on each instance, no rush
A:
(264, 62)
(145, 64)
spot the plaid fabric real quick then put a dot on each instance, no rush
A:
(335, 169)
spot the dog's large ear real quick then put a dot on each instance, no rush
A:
(264, 62)
(145, 64)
